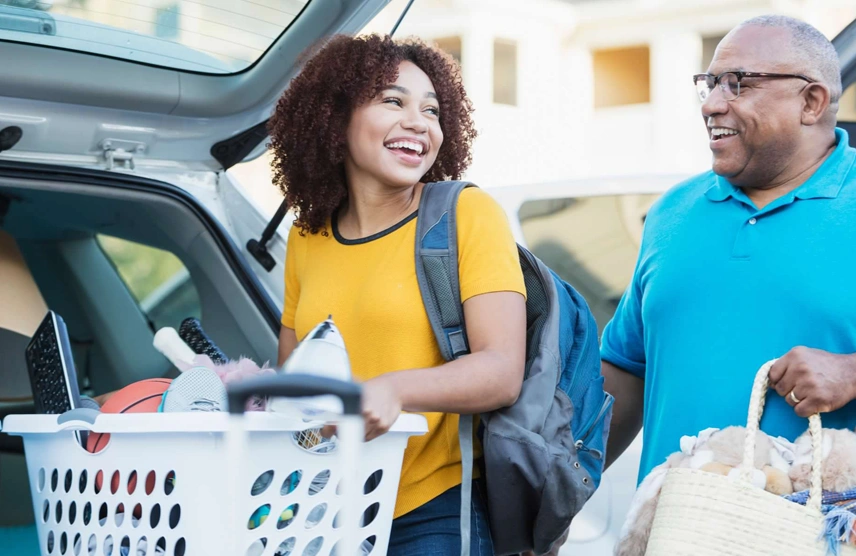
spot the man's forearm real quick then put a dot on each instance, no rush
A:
(628, 391)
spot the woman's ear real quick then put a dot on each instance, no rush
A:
(816, 103)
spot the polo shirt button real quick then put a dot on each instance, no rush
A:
(752, 221)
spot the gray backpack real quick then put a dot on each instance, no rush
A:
(544, 455)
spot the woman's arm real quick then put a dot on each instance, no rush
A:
(287, 343)
(488, 378)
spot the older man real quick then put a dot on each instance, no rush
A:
(752, 261)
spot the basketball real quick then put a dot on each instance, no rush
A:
(143, 396)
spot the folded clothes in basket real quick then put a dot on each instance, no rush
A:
(211, 371)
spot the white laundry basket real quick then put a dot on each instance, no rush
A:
(166, 485)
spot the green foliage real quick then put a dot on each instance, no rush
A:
(142, 268)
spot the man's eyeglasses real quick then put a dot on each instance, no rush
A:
(729, 82)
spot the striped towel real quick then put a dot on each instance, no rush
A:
(839, 509)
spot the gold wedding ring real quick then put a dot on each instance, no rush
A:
(793, 397)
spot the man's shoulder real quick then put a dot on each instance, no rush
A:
(678, 198)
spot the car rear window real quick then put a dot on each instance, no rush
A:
(211, 36)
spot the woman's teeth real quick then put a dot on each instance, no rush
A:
(413, 146)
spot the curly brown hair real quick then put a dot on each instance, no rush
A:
(308, 128)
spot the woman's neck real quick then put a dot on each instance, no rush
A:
(372, 207)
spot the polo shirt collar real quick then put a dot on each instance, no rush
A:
(825, 183)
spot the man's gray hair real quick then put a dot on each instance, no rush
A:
(812, 50)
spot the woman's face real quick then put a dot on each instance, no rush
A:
(394, 138)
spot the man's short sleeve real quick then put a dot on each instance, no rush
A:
(623, 341)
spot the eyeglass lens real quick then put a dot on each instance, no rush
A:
(728, 83)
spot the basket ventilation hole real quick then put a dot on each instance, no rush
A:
(262, 483)
(316, 515)
(132, 482)
(370, 514)
(114, 482)
(142, 546)
(174, 516)
(287, 516)
(258, 547)
(286, 547)
(314, 547)
(319, 482)
(150, 482)
(154, 518)
(169, 483)
(290, 483)
(258, 517)
(373, 482)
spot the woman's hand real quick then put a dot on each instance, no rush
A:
(381, 405)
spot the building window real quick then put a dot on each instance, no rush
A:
(708, 48)
(505, 72)
(622, 76)
(451, 46)
(166, 21)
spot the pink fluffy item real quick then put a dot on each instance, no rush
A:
(170, 344)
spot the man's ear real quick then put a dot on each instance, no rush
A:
(816, 103)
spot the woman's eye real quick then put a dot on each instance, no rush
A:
(433, 110)
(392, 100)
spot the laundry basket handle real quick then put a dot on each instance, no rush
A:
(295, 386)
(756, 409)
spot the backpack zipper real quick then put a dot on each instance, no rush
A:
(581, 441)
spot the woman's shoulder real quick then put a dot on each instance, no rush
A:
(476, 197)
(476, 202)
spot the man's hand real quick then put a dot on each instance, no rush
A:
(814, 381)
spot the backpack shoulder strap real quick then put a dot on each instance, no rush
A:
(439, 283)
(437, 265)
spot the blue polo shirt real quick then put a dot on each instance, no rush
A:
(721, 287)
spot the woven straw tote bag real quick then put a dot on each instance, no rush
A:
(704, 514)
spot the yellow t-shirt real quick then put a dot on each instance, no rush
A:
(369, 287)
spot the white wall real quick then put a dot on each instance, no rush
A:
(555, 132)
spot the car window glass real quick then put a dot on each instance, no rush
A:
(847, 105)
(157, 279)
(590, 242)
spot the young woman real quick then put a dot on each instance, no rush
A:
(359, 131)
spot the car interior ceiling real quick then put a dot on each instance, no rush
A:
(53, 226)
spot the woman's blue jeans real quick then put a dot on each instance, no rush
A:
(434, 529)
